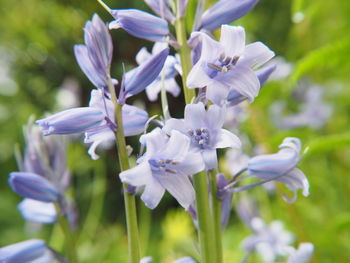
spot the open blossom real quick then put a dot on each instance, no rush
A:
(166, 77)
(270, 241)
(281, 166)
(204, 129)
(33, 250)
(301, 255)
(228, 65)
(94, 58)
(166, 165)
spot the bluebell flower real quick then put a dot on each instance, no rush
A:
(162, 8)
(167, 75)
(226, 199)
(37, 211)
(228, 65)
(95, 57)
(75, 120)
(204, 129)
(134, 120)
(225, 12)
(281, 166)
(137, 79)
(166, 165)
(269, 241)
(33, 250)
(33, 186)
(301, 255)
(140, 24)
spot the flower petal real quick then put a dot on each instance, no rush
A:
(215, 117)
(233, 40)
(210, 159)
(37, 211)
(192, 164)
(255, 55)
(153, 193)
(194, 115)
(177, 146)
(139, 175)
(180, 187)
(227, 139)
(175, 124)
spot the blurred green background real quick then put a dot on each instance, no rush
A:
(37, 63)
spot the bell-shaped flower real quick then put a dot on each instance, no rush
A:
(134, 120)
(33, 186)
(75, 120)
(228, 65)
(167, 76)
(33, 250)
(270, 241)
(204, 129)
(95, 57)
(301, 255)
(37, 211)
(281, 166)
(137, 79)
(225, 12)
(140, 24)
(166, 165)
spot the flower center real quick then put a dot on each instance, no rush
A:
(163, 166)
(200, 137)
(224, 63)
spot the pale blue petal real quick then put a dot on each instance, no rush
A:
(153, 193)
(194, 115)
(295, 180)
(175, 124)
(192, 164)
(210, 159)
(233, 40)
(180, 187)
(226, 139)
(37, 211)
(198, 78)
(177, 146)
(139, 175)
(264, 73)
(255, 55)
(215, 117)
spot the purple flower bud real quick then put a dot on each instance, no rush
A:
(140, 24)
(226, 199)
(264, 73)
(94, 58)
(26, 252)
(33, 186)
(37, 211)
(76, 120)
(225, 12)
(139, 78)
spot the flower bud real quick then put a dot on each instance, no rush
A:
(76, 120)
(33, 186)
(37, 211)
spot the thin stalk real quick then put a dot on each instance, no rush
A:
(129, 199)
(216, 207)
(185, 54)
(205, 222)
(70, 242)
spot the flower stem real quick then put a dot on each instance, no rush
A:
(216, 206)
(129, 199)
(70, 242)
(205, 230)
(185, 54)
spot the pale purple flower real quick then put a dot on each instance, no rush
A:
(30, 251)
(140, 24)
(167, 75)
(228, 65)
(269, 241)
(281, 166)
(166, 165)
(34, 186)
(226, 199)
(301, 255)
(137, 79)
(134, 120)
(314, 111)
(37, 211)
(224, 12)
(94, 58)
(204, 129)
(75, 120)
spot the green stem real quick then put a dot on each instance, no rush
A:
(70, 242)
(185, 55)
(129, 199)
(205, 230)
(216, 206)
